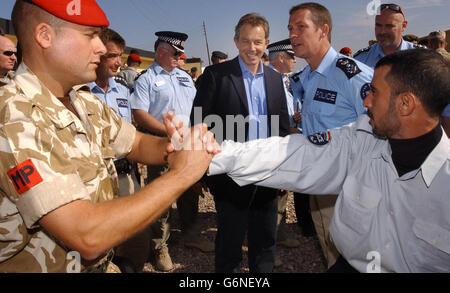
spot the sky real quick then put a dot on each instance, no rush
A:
(353, 24)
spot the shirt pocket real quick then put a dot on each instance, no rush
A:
(431, 251)
(359, 205)
(322, 108)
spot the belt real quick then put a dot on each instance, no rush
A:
(123, 166)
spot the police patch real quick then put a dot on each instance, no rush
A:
(325, 96)
(365, 90)
(349, 67)
(321, 138)
(122, 103)
(24, 176)
(182, 79)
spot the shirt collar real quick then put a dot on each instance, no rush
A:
(327, 62)
(112, 86)
(436, 159)
(246, 71)
(380, 53)
(159, 70)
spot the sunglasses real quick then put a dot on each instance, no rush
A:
(9, 53)
(393, 7)
(175, 54)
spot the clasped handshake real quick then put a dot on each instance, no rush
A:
(190, 149)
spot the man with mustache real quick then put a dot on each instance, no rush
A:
(389, 26)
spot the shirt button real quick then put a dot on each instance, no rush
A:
(392, 213)
(433, 242)
(388, 247)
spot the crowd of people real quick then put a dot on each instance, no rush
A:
(93, 158)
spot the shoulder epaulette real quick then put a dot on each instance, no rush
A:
(140, 74)
(349, 67)
(362, 51)
(296, 77)
(418, 46)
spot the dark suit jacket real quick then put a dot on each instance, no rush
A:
(222, 92)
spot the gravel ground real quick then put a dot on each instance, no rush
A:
(307, 258)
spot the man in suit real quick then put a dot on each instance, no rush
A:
(244, 87)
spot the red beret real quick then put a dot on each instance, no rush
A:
(345, 50)
(135, 57)
(183, 57)
(83, 12)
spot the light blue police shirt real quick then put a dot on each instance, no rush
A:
(257, 104)
(446, 112)
(371, 55)
(333, 94)
(156, 91)
(117, 97)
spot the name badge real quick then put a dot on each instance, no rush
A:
(122, 103)
(182, 79)
(326, 96)
(160, 83)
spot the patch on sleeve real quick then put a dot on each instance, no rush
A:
(24, 176)
(321, 138)
(349, 67)
(365, 90)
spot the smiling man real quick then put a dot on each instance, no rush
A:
(8, 58)
(244, 87)
(390, 24)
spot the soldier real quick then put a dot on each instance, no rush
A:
(218, 57)
(389, 26)
(8, 58)
(58, 142)
(437, 41)
(161, 88)
(130, 73)
(332, 88)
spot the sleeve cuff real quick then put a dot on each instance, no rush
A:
(48, 196)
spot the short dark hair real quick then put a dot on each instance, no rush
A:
(253, 19)
(423, 72)
(108, 35)
(319, 14)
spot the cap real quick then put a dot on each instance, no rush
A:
(183, 57)
(174, 39)
(440, 35)
(345, 50)
(281, 46)
(219, 55)
(135, 57)
(83, 12)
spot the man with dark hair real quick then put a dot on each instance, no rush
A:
(244, 87)
(391, 168)
(332, 89)
(218, 57)
(165, 87)
(8, 59)
(58, 141)
(390, 24)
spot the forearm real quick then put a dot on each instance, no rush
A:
(95, 228)
(149, 150)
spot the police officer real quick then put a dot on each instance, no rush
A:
(391, 167)
(445, 120)
(332, 88)
(164, 87)
(218, 57)
(8, 58)
(390, 23)
(114, 92)
(58, 141)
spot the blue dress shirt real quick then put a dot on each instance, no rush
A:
(371, 55)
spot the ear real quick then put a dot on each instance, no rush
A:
(44, 35)
(325, 31)
(407, 103)
(404, 25)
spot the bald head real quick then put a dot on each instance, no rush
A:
(8, 57)
(389, 27)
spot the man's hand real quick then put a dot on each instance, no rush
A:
(297, 117)
(177, 133)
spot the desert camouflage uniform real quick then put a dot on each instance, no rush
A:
(7, 78)
(49, 158)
